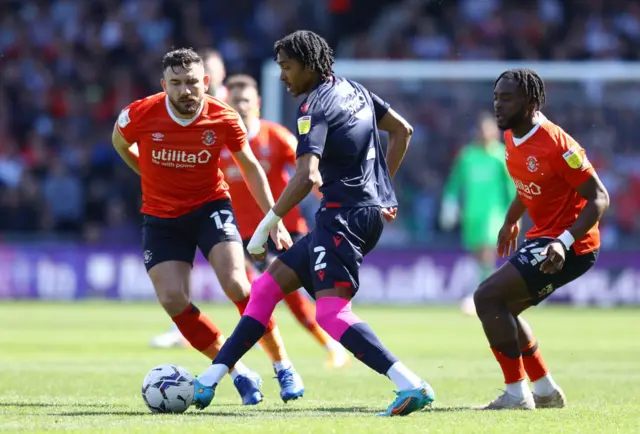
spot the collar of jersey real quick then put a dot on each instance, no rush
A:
(328, 80)
(540, 119)
(180, 121)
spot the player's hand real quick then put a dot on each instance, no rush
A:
(389, 214)
(555, 253)
(508, 239)
(281, 237)
(257, 246)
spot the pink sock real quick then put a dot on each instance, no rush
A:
(265, 296)
(334, 315)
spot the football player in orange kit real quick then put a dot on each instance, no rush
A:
(558, 186)
(180, 134)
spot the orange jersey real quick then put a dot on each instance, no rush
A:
(275, 148)
(546, 166)
(179, 157)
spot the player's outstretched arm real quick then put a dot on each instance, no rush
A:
(400, 132)
(127, 151)
(254, 177)
(300, 185)
(305, 177)
(597, 198)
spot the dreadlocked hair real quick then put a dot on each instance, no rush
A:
(308, 48)
(530, 82)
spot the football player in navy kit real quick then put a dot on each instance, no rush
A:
(339, 149)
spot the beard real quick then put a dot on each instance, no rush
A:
(186, 105)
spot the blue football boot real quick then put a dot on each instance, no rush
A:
(291, 386)
(202, 395)
(248, 387)
(408, 401)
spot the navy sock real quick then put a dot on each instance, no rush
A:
(247, 333)
(366, 347)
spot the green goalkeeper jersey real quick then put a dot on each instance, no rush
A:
(480, 183)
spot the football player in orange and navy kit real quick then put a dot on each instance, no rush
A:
(179, 134)
(558, 186)
(214, 68)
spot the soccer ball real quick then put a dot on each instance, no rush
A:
(168, 389)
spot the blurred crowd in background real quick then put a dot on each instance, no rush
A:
(67, 67)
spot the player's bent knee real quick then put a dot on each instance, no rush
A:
(487, 294)
(171, 283)
(286, 278)
(237, 289)
(173, 300)
(335, 316)
(325, 318)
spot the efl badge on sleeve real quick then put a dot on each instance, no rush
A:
(573, 158)
(304, 125)
(123, 119)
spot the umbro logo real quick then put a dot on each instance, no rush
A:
(157, 137)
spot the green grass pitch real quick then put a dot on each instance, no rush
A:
(78, 367)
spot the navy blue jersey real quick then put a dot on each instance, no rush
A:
(338, 122)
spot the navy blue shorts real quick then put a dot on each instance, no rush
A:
(331, 254)
(176, 239)
(540, 285)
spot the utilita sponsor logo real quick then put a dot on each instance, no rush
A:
(179, 159)
(528, 190)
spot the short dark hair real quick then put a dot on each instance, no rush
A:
(241, 81)
(182, 57)
(530, 83)
(308, 48)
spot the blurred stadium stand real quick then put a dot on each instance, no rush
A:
(68, 66)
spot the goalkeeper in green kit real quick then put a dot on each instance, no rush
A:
(478, 193)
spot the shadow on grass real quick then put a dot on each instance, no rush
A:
(448, 409)
(149, 414)
(315, 410)
(255, 412)
(49, 404)
(212, 412)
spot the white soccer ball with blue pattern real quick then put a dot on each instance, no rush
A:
(168, 389)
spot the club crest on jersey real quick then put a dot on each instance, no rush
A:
(573, 158)
(532, 163)
(208, 138)
(304, 125)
